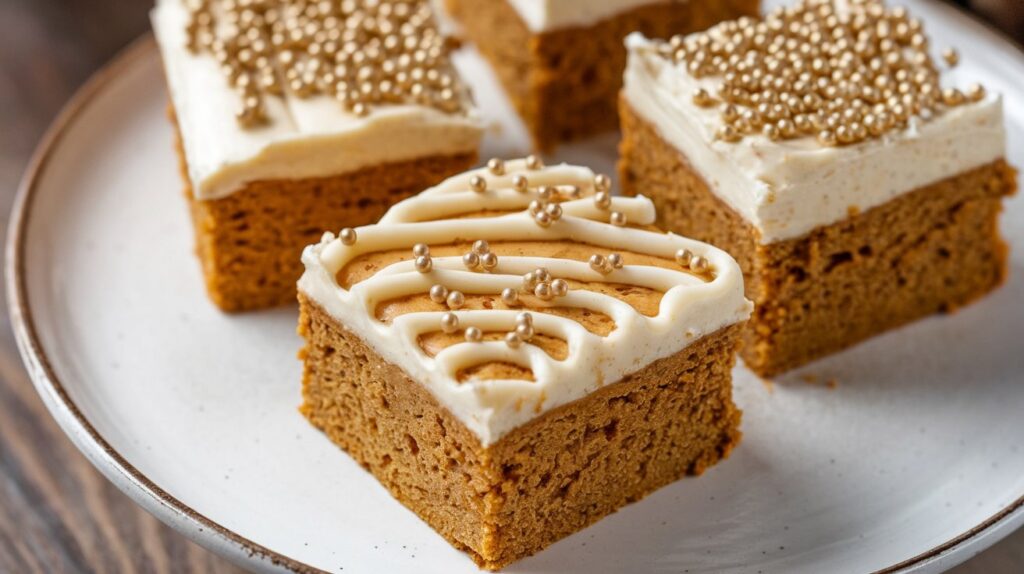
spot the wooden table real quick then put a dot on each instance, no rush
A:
(57, 513)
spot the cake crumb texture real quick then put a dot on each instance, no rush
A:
(564, 83)
(546, 479)
(250, 242)
(930, 250)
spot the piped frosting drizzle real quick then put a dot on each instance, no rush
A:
(600, 323)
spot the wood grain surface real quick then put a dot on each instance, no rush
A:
(57, 513)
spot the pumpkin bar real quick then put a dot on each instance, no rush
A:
(829, 152)
(561, 61)
(296, 117)
(515, 354)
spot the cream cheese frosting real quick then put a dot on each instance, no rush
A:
(548, 15)
(692, 304)
(787, 188)
(303, 137)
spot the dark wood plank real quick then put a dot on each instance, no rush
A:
(57, 513)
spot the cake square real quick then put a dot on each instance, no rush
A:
(561, 62)
(514, 354)
(292, 118)
(826, 150)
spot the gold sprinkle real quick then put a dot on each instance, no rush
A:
(348, 236)
(449, 322)
(951, 56)
(543, 291)
(473, 335)
(496, 166)
(478, 184)
(513, 340)
(424, 264)
(456, 300)
(439, 294)
(510, 297)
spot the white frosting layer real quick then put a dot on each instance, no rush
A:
(787, 188)
(692, 305)
(303, 138)
(547, 15)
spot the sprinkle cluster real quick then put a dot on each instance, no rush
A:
(813, 69)
(363, 53)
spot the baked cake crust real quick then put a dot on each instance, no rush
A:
(543, 481)
(249, 242)
(930, 250)
(564, 82)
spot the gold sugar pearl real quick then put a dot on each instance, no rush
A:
(524, 318)
(439, 294)
(473, 335)
(602, 183)
(520, 183)
(535, 207)
(449, 323)
(510, 297)
(546, 193)
(683, 257)
(348, 236)
(617, 218)
(574, 192)
(513, 340)
(478, 184)
(615, 260)
(698, 264)
(525, 331)
(554, 210)
(975, 92)
(420, 250)
(542, 218)
(534, 163)
(951, 56)
(480, 246)
(543, 291)
(456, 300)
(603, 200)
(424, 264)
(599, 263)
(542, 274)
(496, 166)
(471, 260)
(489, 261)
(559, 287)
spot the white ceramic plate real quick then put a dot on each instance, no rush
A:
(914, 462)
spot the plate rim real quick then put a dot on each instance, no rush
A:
(151, 497)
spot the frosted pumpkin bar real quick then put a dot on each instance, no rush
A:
(515, 354)
(293, 117)
(830, 153)
(561, 61)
